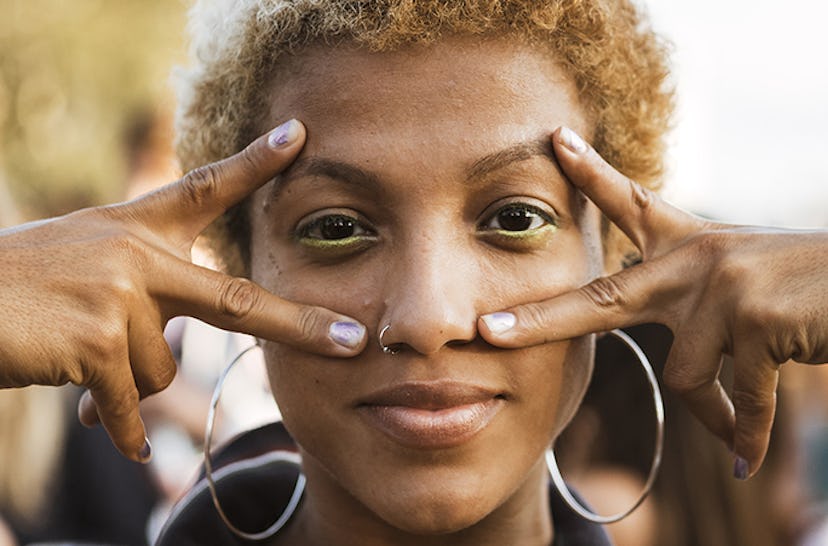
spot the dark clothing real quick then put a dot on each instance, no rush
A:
(256, 475)
(98, 496)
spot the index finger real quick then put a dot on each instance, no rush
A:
(641, 214)
(207, 192)
(647, 292)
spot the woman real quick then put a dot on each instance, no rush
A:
(427, 199)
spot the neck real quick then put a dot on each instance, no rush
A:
(330, 516)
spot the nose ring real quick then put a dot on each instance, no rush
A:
(387, 349)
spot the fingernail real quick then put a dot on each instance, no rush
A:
(499, 322)
(146, 451)
(571, 140)
(740, 468)
(283, 134)
(347, 334)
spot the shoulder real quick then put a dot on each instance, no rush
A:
(255, 478)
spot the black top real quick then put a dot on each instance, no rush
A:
(255, 476)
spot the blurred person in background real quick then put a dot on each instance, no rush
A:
(606, 450)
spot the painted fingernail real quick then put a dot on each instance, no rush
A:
(499, 322)
(347, 334)
(284, 134)
(571, 140)
(740, 468)
(146, 451)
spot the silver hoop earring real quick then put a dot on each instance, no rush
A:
(552, 464)
(387, 349)
(298, 489)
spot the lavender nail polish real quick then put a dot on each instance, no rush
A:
(283, 134)
(146, 451)
(499, 322)
(740, 469)
(347, 334)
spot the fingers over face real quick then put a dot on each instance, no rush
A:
(240, 305)
(647, 292)
(647, 220)
(192, 203)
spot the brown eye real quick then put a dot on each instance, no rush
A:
(333, 227)
(517, 217)
(337, 227)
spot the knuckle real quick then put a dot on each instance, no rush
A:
(250, 161)
(753, 405)
(680, 381)
(123, 405)
(200, 186)
(709, 246)
(128, 250)
(606, 292)
(238, 298)
(104, 347)
(114, 403)
(534, 315)
(159, 380)
(309, 322)
(642, 198)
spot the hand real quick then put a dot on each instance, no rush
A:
(86, 296)
(758, 294)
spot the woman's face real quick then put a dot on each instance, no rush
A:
(426, 195)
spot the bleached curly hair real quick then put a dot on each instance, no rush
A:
(618, 64)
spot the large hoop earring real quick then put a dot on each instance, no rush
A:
(555, 472)
(298, 489)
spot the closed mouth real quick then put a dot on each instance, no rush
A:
(431, 415)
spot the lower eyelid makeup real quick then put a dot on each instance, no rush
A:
(529, 233)
(347, 242)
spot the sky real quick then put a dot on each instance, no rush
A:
(751, 138)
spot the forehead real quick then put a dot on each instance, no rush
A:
(461, 93)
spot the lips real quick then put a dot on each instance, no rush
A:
(431, 415)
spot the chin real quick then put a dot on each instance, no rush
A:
(438, 512)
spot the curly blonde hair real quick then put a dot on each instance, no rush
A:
(618, 64)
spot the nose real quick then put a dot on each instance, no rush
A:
(429, 295)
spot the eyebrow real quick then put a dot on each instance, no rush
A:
(330, 168)
(513, 154)
(346, 172)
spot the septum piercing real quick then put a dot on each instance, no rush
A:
(386, 349)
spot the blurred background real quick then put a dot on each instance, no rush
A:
(85, 118)
(81, 83)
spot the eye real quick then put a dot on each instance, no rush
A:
(516, 218)
(334, 231)
(333, 227)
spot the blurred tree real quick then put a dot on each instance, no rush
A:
(73, 74)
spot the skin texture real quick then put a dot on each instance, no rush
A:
(443, 132)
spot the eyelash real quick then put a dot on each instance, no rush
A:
(360, 235)
(311, 233)
(529, 212)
